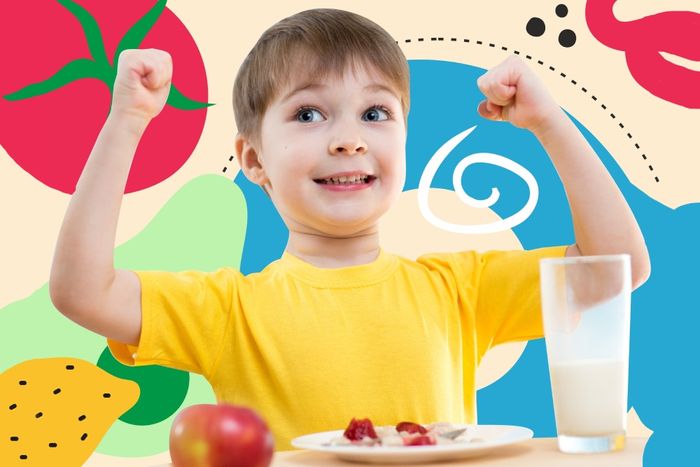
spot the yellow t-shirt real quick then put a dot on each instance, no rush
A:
(310, 348)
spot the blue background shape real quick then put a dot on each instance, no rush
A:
(665, 311)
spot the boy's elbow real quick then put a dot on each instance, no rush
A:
(65, 297)
(60, 297)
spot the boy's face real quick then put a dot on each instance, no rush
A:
(314, 134)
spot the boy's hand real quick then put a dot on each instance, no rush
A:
(142, 84)
(515, 94)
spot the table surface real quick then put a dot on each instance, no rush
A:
(536, 452)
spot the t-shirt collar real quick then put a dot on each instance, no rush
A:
(349, 276)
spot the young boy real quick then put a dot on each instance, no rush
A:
(338, 327)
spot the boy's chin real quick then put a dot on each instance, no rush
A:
(347, 226)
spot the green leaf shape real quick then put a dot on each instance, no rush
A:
(75, 70)
(91, 29)
(135, 35)
(180, 101)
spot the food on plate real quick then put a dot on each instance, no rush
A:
(411, 427)
(56, 410)
(361, 432)
(220, 434)
(359, 429)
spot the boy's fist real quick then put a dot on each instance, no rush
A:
(142, 84)
(515, 94)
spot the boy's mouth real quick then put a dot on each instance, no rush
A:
(352, 179)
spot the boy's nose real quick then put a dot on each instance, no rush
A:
(348, 145)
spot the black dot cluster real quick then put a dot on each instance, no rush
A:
(56, 391)
(536, 27)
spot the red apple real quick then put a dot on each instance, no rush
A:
(218, 435)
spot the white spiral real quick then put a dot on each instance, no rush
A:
(483, 158)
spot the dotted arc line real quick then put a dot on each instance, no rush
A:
(553, 69)
(226, 167)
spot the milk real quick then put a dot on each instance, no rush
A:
(590, 397)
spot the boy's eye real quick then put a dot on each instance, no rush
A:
(376, 114)
(308, 115)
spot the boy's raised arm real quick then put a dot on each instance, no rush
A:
(603, 222)
(84, 285)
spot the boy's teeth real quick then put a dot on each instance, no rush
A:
(346, 180)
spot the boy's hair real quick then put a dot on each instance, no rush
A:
(322, 41)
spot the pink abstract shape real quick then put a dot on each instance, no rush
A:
(643, 39)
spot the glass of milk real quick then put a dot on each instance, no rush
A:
(586, 315)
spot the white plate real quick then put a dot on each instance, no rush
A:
(485, 438)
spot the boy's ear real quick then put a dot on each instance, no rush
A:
(249, 161)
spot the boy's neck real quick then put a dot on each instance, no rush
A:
(334, 252)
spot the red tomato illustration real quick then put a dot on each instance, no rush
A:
(58, 59)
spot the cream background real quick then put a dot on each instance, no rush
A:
(224, 35)
(31, 213)
(225, 31)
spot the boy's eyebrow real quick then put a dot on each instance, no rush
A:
(381, 87)
(312, 86)
(303, 87)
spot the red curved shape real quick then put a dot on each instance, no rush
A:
(643, 39)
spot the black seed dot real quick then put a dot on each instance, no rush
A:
(52, 445)
(13, 406)
(23, 456)
(22, 383)
(14, 438)
(106, 395)
(57, 390)
(69, 367)
(561, 10)
(567, 38)
(38, 414)
(82, 438)
(535, 27)
(81, 418)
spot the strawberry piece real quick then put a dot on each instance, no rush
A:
(411, 427)
(420, 440)
(359, 429)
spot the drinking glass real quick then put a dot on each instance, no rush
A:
(586, 316)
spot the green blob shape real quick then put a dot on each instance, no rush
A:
(201, 227)
(127, 440)
(154, 404)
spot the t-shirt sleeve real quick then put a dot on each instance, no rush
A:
(184, 319)
(497, 293)
(508, 304)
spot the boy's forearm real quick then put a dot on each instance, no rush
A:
(83, 265)
(603, 221)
